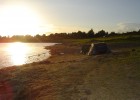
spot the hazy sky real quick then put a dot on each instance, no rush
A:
(74, 15)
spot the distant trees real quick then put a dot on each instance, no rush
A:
(112, 34)
(78, 35)
(101, 33)
(60, 36)
(26, 38)
(73, 35)
(89, 34)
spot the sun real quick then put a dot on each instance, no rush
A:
(20, 20)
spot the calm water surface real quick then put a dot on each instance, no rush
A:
(21, 53)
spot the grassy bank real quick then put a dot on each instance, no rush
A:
(68, 75)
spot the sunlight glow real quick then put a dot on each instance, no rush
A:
(18, 51)
(21, 20)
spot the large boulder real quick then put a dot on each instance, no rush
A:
(95, 48)
(98, 48)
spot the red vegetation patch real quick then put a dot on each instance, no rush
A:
(6, 91)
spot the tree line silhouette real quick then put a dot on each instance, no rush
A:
(59, 36)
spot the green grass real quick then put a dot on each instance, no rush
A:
(111, 39)
(120, 39)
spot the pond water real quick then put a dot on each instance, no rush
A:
(21, 53)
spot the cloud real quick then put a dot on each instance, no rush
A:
(127, 27)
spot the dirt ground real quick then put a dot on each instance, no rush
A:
(69, 75)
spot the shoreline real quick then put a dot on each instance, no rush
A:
(55, 51)
(61, 49)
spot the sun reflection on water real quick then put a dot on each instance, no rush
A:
(18, 52)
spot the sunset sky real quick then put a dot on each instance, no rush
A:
(41, 16)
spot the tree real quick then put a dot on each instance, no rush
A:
(90, 33)
(101, 33)
(81, 35)
(112, 34)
